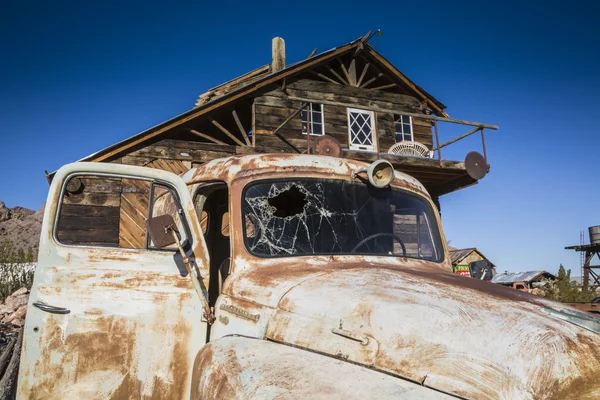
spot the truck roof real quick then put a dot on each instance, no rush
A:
(229, 168)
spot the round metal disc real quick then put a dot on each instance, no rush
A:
(476, 165)
(327, 146)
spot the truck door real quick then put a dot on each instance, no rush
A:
(111, 316)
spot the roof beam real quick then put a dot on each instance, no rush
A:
(367, 83)
(338, 75)
(345, 71)
(391, 85)
(326, 78)
(205, 136)
(362, 75)
(352, 72)
(241, 127)
(225, 131)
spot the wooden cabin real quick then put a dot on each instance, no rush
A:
(462, 258)
(350, 93)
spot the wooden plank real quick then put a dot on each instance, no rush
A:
(135, 204)
(350, 91)
(205, 136)
(345, 71)
(98, 185)
(243, 78)
(138, 161)
(401, 160)
(86, 223)
(241, 127)
(77, 210)
(414, 115)
(422, 122)
(170, 153)
(338, 76)
(185, 145)
(225, 131)
(276, 101)
(278, 144)
(391, 85)
(177, 167)
(362, 75)
(352, 72)
(373, 79)
(320, 75)
(132, 232)
(93, 199)
(220, 102)
(85, 237)
(134, 213)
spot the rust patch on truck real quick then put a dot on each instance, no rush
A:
(212, 380)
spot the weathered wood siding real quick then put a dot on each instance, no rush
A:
(91, 214)
(275, 107)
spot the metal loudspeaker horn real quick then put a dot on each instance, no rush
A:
(477, 166)
(380, 173)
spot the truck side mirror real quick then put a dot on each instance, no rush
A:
(160, 229)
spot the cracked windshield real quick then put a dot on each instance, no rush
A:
(310, 216)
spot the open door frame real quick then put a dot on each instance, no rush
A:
(114, 322)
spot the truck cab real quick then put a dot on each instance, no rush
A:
(293, 276)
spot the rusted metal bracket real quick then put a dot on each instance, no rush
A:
(239, 312)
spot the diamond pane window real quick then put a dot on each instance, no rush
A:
(404, 129)
(315, 112)
(360, 129)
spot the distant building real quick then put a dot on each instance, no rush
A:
(522, 280)
(462, 259)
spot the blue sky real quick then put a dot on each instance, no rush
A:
(75, 78)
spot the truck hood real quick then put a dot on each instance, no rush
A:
(458, 335)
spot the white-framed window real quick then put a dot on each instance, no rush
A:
(361, 125)
(404, 128)
(316, 122)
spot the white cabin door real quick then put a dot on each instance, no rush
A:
(109, 315)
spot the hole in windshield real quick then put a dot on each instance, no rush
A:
(288, 203)
(304, 216)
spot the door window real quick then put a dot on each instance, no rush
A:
(112, 211)
(360, 129)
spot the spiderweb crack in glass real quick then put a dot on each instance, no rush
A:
(312, 216)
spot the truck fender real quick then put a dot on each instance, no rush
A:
(236, 367)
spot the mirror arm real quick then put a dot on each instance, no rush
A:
(208, 314)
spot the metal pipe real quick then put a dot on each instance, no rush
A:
(483, 143)
(308, 127)
(437, 141)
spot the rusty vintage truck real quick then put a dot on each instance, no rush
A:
(281, 276)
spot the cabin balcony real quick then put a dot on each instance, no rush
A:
(409, 140)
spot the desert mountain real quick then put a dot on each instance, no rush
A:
(21, 226)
